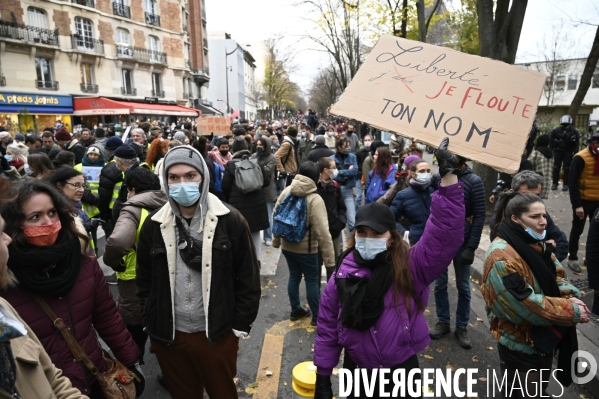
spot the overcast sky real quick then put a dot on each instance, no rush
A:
(254, 20)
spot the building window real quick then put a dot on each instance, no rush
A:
(128, 83)
(152, 17)
(43, 69)
(154, 47)
(123, 43)
(548, 83)
(85, 33)
(184, 19)
(37, 18)
(560, 83)
(156, 86)
(572, 82)
(87, 79)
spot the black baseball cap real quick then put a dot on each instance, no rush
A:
(377, 216)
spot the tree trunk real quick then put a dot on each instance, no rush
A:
(499, 35)
(404, 20)
(420, 10)
(585, 79)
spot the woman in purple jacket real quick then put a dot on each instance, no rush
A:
(373, 307)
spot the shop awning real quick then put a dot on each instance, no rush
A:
(105, 106)
(207, 110)
(19, 109)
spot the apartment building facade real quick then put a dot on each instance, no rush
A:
(133, 51)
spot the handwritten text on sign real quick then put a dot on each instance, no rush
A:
(428, 92)
(220, 126)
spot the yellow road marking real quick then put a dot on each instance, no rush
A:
(271, 357)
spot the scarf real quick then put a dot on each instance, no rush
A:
(8, 369)
(48, 271)
(546, 151)
(362, 298)
(595, 152)
(422, 186)
(544, 271)
(88, 162)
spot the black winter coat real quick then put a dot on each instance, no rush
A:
(592, 255)
(79, 151)
(336, 209)
(234, 285)
(319, 151)
(362, 154)
(109, 177)
(251, 205)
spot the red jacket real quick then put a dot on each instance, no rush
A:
(88, 306)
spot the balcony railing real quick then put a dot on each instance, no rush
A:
(89, 88)
(87, 3)
(128, 91)
(152, 19)
(121, 10)
(204, 71)
(140, 54)
(158, 93)
(46, 84)
(87, 44)
(28, 33)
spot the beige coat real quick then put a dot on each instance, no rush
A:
(37, 377)
(317, 218)
(286, 154)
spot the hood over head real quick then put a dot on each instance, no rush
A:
(187, 155)
(267, 145)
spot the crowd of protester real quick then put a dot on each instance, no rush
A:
(185, 214)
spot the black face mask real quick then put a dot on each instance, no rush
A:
(224, 152)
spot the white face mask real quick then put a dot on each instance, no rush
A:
(367, 144)
(423, 177)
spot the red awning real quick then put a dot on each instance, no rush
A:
(105, 106)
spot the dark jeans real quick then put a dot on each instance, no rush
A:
(462, 274)
(409, 364)
(306, 265)
(514, 362)
(140, 337)
(578, 226)
(560, 157)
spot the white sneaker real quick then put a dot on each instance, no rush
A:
(268, 243)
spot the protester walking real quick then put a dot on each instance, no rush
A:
(266, 159)
(347, 165)
(564, 142)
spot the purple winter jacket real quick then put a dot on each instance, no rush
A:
(395, 337)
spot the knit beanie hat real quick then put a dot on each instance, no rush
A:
(180, 136)
(19, 136)
(292, 131)
(408, 161)
(126, 152)
(113, 143)
(319, 139)
(63, 135)
(239, 144)
(185, 155)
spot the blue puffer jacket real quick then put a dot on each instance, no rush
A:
(413, 203)
(474, 200)
(346, 176)
(376, 186)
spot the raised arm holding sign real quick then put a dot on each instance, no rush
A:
(426, 92)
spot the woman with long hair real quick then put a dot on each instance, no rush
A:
(16, 155)
(532, 308)
(373, 305)
(48, 260)
(40, 165)
(157, 150)
(66, 158)
(382, 176)
(411, 206)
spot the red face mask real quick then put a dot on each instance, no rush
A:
(43, 236)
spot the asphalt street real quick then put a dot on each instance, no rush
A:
(276, 345)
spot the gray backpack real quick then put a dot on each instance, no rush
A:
(248, 175)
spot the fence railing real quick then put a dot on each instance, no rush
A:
(121, 10)
(47, 84)
(152, 19)
(158, 93)
(87, 44)
(28, 33)
(140, 54)
(128, 91)
(89, 88)
(87, 3)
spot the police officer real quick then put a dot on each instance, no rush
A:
(564, 143)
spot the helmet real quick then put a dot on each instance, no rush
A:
(566, 119)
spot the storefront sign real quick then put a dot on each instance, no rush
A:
(427, 92)
(220, 126)
(26, 99)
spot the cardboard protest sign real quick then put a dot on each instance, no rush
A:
(219, 125)
(427, 92)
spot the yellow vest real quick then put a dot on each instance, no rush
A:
(588, 183)
(90, 210)
(116, 190)
(130, 259)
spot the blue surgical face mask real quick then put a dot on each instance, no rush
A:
(532, 233)
(185, 194)
(27, 169)
(117, 134)
(369, 248)
(331, 134)
(335, 173)
(423, 177)
(303, 134)
(8, 158)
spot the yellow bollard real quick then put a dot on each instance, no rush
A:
(303, 380)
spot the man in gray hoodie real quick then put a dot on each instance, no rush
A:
(198, 281)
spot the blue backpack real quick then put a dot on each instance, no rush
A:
(219, 172)
(290, 220)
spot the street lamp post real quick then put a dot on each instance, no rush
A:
(227, 69)
(226, 102)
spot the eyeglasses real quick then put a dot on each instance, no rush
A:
(77, 186)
